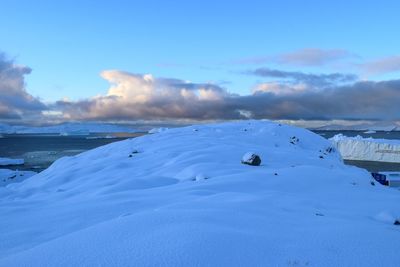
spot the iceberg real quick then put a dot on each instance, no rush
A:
(369, 149)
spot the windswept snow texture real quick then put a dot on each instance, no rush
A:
(359, 148)
(185, 199)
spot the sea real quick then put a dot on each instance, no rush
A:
(40, 150)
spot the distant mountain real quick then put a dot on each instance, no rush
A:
(387, 127)
(67, 128)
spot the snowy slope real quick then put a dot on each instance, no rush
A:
(11, 176)
(359, 148)
(67, 128)
(140, 202)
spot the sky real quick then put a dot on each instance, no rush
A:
(198, 60)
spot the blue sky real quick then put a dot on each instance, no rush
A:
(67, 44)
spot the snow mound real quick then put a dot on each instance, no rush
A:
(185, 199)
(359, 148)
(8, 161)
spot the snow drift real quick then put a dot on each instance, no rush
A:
(359, 148)
(183, 198)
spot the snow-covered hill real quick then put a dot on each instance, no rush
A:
(182, 197)
(67, 128)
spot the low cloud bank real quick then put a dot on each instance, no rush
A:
(282, 95)
(134, 96)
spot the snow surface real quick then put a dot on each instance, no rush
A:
(359, 148)
(8, 161)
(185, 199)
(11, 176)
(67, 129)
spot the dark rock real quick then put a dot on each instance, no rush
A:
(294, 140)
(396, 222)
(330, 150)
(251, 159)
(133, 152)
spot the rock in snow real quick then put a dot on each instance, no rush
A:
(103, 208)
(251, 158)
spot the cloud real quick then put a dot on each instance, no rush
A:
(312, 57)
(134, 96)
(15, 102)
(144, 97)
(279, 88)
(317, 80)
(308, 57)
(359, 101)
(382, 65)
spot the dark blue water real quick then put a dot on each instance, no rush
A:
(40, 150)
